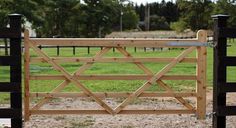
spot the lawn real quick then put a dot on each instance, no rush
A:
(116, 68)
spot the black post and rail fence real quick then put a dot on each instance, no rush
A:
(13, 60)
(221, 86)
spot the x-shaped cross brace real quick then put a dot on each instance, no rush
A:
(73, 79)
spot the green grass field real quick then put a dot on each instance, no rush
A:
(116, 68)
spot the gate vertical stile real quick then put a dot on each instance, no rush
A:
(26, 76)
(201, 76)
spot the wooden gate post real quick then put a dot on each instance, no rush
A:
(219, 81)
(201, 75)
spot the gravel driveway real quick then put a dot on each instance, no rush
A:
(125, 121)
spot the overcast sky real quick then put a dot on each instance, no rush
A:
(145, 1)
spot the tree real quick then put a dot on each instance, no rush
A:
(99, 16)
(4, 11)
(179, 26)
(226, 7)
(130, 18)
(195, 13)
(158, 23)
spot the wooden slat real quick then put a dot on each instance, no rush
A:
(115, 94)
(138, 64)
(26, 76)
(71, 78)
(50, 112)
(180, 99)
(109, 60)
(201, 75)
(66, 82)
(110, 42)
(156, 77)
(114, 77)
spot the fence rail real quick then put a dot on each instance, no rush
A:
(135, 49)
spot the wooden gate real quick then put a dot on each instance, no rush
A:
(151, 78)
(13, 86)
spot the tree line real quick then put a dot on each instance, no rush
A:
(72, 18)
(186, 14)
(96, 18)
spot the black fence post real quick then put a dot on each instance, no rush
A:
(73, 50)
(13, 87)
(6, 47)
(58, 50)
(219, 71)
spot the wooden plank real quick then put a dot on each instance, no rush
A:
(109, 60)
(180, 99)
(87, 65)
(26, 76)
(46, 99)
(201, 75)
(110, 42)
(66, 82)
(114, 94)
(114, 77)
(72, 78)
(138, 64)
(155, 111)
(156, 77)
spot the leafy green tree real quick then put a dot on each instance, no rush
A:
(158, 23)
(4, 11)
(195, 13)
(130, 18)
(179, 26)
(99, 16)
(227, 7)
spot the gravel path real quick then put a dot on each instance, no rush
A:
(125, 121)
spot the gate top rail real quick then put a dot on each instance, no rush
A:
(122, 42)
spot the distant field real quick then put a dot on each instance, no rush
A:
(114, 68)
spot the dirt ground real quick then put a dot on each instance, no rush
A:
(126, 121)
(151, 34)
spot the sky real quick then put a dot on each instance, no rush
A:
(145, 1)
